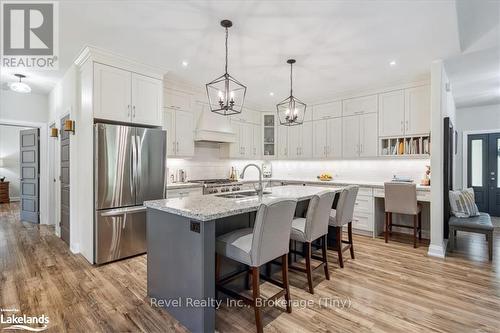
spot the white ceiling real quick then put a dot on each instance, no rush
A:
(339, 45)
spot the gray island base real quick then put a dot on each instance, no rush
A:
(181, 235)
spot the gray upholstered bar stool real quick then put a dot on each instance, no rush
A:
(312, 227)
(341, 216)
(267, 240)
(401, 198)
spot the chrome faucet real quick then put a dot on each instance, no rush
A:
(260, 189)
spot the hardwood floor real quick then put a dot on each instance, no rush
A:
(388, 288)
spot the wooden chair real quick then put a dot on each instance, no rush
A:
(254, 247)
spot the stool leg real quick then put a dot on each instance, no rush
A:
(308, 267)
(386, 229)
(339, 246)
(415, 231)
(420, 226)
(349, 234)
(390, 224)
(284, 272)
(325, 259)
(256, 295)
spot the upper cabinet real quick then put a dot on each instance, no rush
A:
(359, 136)
(269, 135)
(391, 106)
(177, 100)
(359, 105)
(418, 110)
(405, 112)
(300, 143)
(180, 132)
(121, 95)
(327, 110)
(327, 138)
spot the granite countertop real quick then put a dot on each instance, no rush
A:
(211, 207)
(175, 186)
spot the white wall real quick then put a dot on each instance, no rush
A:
(9, 152)
(442, 105)
(479, 118)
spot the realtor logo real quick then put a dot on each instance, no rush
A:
(30, 34)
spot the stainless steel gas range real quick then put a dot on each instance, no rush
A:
(211, 186)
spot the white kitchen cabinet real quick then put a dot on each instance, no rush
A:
(327, 138)
(391, 108)
(417, 110)
(112, 93)
(146, 100)
(177, 100)
(350, 136)
(327, 110)
(183, 192)
(300, 139)
(368, 135)
(269, 137)
(243, 147)
(257, 141)
(180, 132)
(360, 105)
(359, 135)
(120, 95)
(282, 146)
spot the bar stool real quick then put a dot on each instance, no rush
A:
(401, 198)
(341, 216)
(314, 226)
(268, 240)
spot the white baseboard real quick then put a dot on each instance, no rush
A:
(438, 251)
(75, 248)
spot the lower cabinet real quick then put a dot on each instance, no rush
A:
(363, 210)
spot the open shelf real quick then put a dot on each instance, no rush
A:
(405, 146)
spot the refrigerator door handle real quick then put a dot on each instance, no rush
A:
(124, 211)
(138, 173)
(134, 165)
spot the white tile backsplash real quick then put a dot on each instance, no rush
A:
(208, 163)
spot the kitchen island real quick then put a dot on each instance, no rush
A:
(181, 234)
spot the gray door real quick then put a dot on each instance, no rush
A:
(65, 185)
(493, 173)
(115, 156)
(29, 171)
(150, 171)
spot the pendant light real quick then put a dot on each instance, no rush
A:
(291, 110)
(20, 87)
(226, 95)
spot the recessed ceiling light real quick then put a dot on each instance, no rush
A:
(185, 63)
(271, 94)
(393, 63)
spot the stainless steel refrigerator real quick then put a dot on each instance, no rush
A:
(129, 169)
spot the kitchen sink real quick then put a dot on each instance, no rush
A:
(239, 195)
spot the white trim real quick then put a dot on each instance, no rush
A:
(14, 199)
(437, 250)
(465, 142)
(44, 170)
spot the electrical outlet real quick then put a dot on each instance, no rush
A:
(195, 227)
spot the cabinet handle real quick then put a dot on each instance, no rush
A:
(173, 146)
(177, 146)
(361, 148)
(133, 108)
(128, 110)
(407, 125)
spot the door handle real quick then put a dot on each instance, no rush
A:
(177, 146)
(123, 211)
(133, 108)
(138, 161)
(128, 110)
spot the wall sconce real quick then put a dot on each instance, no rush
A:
(54, 133)
(69, 126)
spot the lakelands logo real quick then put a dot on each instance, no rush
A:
(27, 323)
(30, 34)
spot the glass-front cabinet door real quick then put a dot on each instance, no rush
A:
(269, 133)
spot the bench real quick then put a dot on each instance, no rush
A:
(478, 224)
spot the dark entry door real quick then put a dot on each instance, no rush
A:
(29, 170)
(65, 190)
(483, 163)
(493, 173)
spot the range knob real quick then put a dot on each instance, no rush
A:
(216, 190)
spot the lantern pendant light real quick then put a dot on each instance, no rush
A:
(291, 110)
(226, 95)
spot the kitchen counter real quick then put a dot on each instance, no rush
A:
(210, 207)
(181, 234)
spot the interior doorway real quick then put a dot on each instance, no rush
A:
(483, 168)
